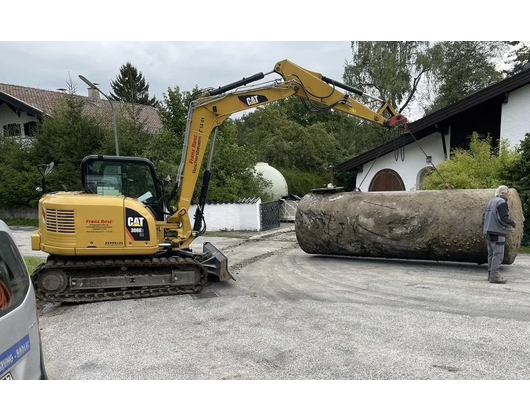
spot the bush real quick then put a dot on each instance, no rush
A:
(301, 183)
(482, 167)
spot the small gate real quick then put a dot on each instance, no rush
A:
(269, 214)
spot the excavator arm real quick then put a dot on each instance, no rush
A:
(212, 107)
(322, 93)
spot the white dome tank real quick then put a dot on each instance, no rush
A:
(279, 184)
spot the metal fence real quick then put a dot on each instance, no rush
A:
(270, 214)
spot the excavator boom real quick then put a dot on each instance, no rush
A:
(212, 107)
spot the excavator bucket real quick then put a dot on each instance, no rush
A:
(215, 262)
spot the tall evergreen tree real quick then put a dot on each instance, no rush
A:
(130, 86)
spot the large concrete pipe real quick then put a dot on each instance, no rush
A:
(442, 225)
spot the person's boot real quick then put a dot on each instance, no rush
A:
(496, 279)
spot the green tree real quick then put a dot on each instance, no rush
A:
(462, 68)
(303, 144)
(133, 136)
(301, 183)
(293, 141)
(174, 110)
(518, 57)
(18, 177)
(390, 70)
(283, 143)
(130, 86)
(166, 147)
(419, 74)
(233, 176)
(478, 167)
(353, 135)
(68, 135)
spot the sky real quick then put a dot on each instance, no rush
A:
(48, 65)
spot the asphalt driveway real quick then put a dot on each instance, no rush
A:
(290, 315)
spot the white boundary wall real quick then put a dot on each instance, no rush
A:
(230, 216)
(218, 217)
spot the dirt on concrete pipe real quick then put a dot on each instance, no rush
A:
(441, 225)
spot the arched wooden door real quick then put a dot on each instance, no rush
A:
(387, 180)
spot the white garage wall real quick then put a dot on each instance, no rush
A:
(515, 116)
(413, 163)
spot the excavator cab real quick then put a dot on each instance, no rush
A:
(127, 176)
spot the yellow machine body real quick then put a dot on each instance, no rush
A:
(76, 223)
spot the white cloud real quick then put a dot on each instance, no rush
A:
(47, 65)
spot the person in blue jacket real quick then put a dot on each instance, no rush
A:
(496, 224)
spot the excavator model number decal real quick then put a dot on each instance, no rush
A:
(137, 228)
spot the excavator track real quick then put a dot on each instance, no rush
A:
(70, 269)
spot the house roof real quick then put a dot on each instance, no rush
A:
(430, 121)
(39, 102)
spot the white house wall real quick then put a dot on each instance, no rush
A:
(7, 116)
(413, 163)
(515, 116)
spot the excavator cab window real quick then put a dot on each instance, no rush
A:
(104, 178)
(122, 176)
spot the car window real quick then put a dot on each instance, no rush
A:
(14, 278)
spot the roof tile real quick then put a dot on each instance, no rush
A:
(45, 101)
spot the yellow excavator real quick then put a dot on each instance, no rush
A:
(120, 239)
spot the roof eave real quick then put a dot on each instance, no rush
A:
(20, 104)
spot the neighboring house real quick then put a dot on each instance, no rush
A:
(22, 108)
(501, 110)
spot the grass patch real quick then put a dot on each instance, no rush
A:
(33, 263)
(524, 250)
(22, 222)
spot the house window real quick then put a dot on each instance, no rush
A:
(30, 129)
(11, 130)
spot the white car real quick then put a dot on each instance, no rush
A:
(20, 342)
